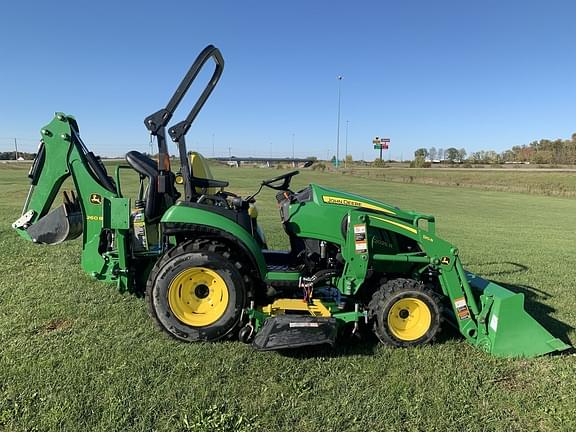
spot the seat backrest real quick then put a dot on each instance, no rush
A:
(200, 169)
(148, 168)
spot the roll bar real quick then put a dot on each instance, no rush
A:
(156, 123)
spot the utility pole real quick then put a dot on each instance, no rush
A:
(293, 163)
(338, 131)
(346, 152)
(16, 147)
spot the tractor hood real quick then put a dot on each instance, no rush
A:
(326, 196)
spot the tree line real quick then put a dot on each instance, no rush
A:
(544, 151)
(433, 154)
(11, 155)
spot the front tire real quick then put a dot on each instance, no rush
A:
(406, 313)
(195, 295)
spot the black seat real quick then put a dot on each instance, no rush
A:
(147, 168)
(141, 163)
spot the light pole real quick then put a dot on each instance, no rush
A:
(213, 149)
(346, 152)
(338, 131)
(293, 163)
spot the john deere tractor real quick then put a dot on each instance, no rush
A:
(198, 251)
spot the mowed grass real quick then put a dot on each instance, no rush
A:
(498, 178)
(77, 355)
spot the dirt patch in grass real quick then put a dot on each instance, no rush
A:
(54, 325)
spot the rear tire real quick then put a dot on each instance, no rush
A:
(405, 313)
(196, 295)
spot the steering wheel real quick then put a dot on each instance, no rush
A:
(284, 185)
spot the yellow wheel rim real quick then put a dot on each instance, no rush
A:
(409, 319)
(198, 296)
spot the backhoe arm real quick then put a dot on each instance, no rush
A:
(47, 174)
(98, 212)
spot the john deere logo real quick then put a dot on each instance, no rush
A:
(341, 201)
(354, 203)
(96, 199)
(445, 260)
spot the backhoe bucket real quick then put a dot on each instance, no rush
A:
(512, 332)
(61, 224)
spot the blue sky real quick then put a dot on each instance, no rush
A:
(478, 75)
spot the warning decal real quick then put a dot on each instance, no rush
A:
(462, 308)
(361, 244)
(303, 324)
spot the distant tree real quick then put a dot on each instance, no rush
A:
(477, 157)
(462, 154)
(441, 154)
(311, 158)
(421, 152)
(349, 159)
(452, 154)
(433, 153)
(492, 157)
(507, 156)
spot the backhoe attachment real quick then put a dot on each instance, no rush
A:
(61, 224)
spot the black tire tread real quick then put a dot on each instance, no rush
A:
(386, 294)
(197, 245)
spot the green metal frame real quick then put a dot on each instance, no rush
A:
(65, 158)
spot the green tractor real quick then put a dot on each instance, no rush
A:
(354, 263)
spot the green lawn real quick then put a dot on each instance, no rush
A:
(77, 355)
(496, 178)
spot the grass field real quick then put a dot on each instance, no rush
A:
(77, 355)
(525, 180)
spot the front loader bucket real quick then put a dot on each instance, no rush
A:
(511, 331)
(61, 224)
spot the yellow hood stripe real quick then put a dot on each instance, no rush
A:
(406, 227)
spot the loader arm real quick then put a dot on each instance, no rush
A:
(96, 211)
(488, 315)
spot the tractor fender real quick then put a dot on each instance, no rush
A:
(199, 222)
